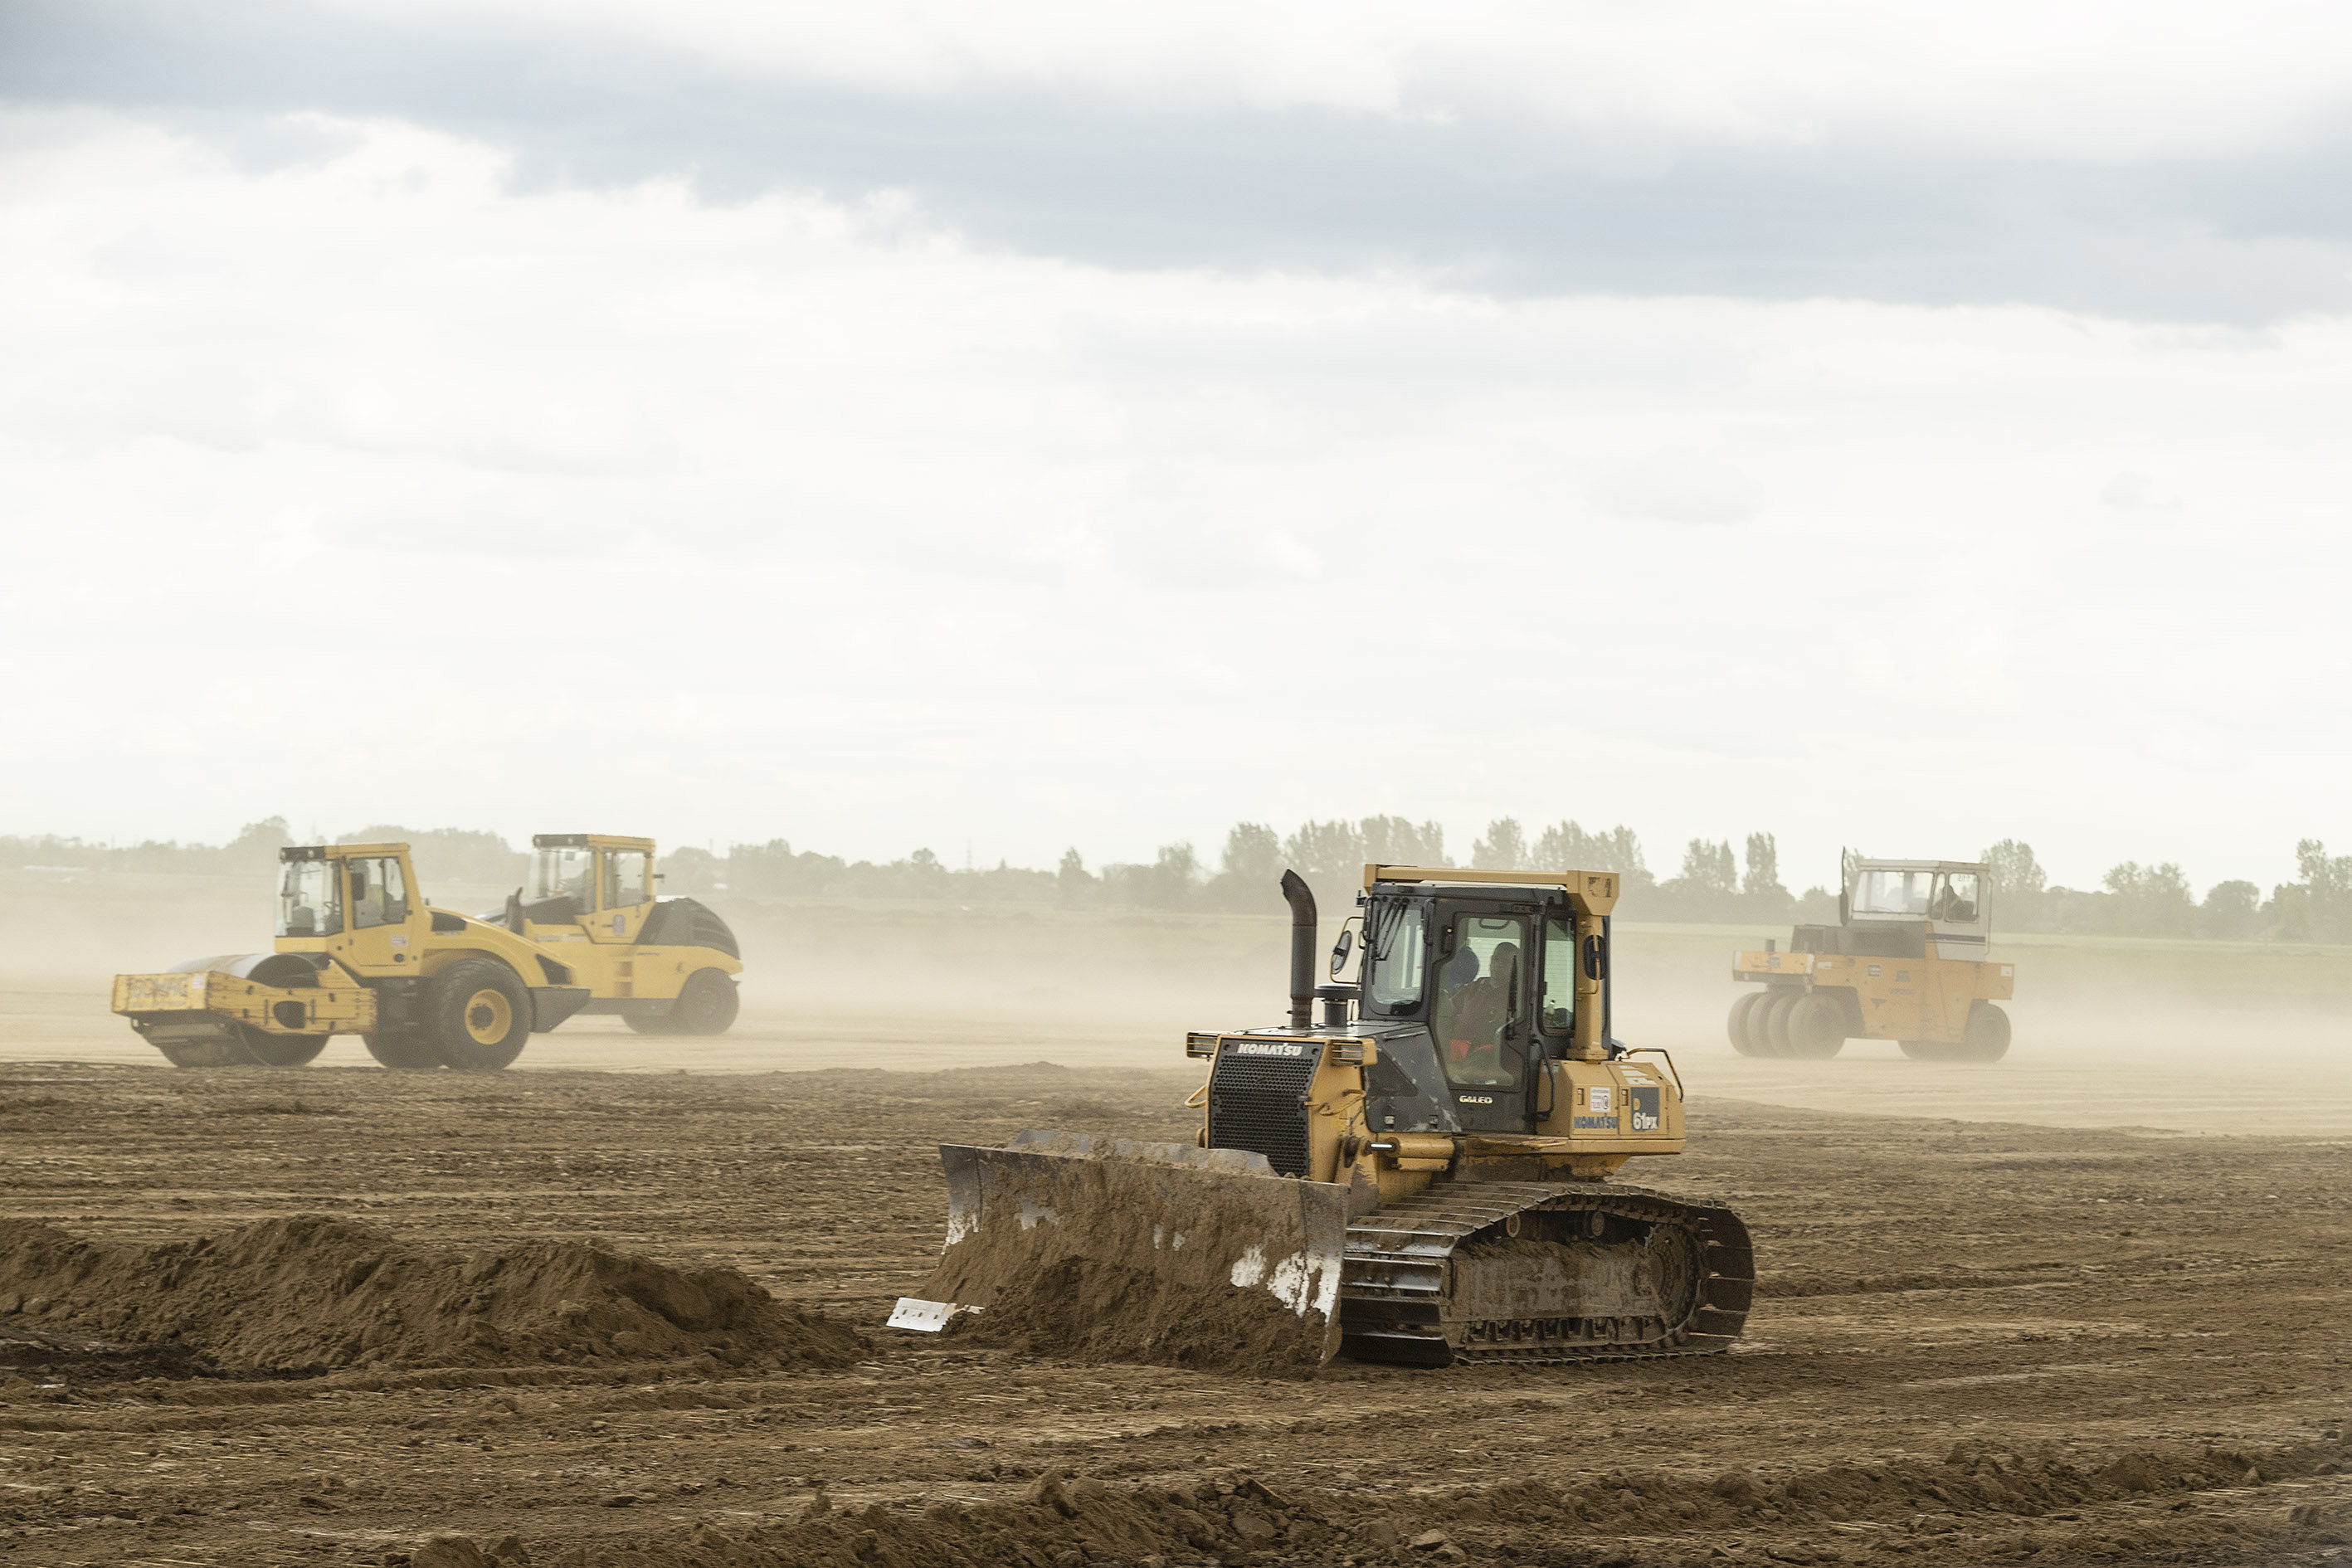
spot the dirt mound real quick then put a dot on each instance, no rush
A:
(1615, 1520)
(312, 1291)
(1099, 1311)
(1114, 1257)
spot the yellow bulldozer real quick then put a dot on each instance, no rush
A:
(1421, 1176)
(360, 951)
(1907, 962)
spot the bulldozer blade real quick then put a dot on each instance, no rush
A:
(1109, 1250)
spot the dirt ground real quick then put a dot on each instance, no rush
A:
(1978, 1340)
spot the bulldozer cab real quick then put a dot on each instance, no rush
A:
(602, 883)
(1489, 973)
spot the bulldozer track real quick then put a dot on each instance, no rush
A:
(1397, 1278)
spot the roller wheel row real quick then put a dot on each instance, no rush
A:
(1793, 1023)
(1985, 1040)
(477, 1018)
(1788, 1022)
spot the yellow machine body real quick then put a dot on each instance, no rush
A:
(360, 951)
(1420, 1176)
(1908, 961)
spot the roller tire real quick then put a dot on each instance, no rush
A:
(1986, 1039)
(1814, 1026)
(404, 1051)
(1742, 1011)
(283, 1050)
(477, 1016)
(1769, 1024)
(659, 1023)
(196, 1054)
(706, 1005)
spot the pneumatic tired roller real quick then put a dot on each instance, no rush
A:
(1423, 1177)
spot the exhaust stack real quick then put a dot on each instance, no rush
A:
(1302, 949)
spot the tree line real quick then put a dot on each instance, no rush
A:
(1715, 882)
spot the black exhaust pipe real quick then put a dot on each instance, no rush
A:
(1302, 949)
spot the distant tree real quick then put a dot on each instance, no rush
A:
(1565, 846)
(2231, 912)
(1708, 871)
(1076, 883)
(2151, 900)
(761, 870)
(446, 854)
(1395, 841)
(1326, 851)
(692, 869)
(1170, 883)
(1763, 879)
(2319, 907)
(1503, 848)
(2014, 869)
(1816, 906)
(2022, 898)
(1248, 871)
(1252, 853)
(260, 842)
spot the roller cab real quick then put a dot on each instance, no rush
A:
(360, 951)
(1908, 961)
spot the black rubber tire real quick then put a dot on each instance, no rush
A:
(1769, 1024)
(1815, 1026)
(1987, 1036)
(477, 1016)
(651, 1023)
(1736, 1026)
(403, 1050)
(198, 1054)
(283, 1050)
(707, 1004)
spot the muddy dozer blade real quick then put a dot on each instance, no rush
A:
(1109, 1250)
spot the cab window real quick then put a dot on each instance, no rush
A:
(379, 893)
(309, 900)
(1560, 977)
(1881, 891)
(1955, 898)
(565, 873)
(1476, 1018)
(1395, 964)
(625, 880)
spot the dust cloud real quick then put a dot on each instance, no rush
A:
(2188, 1036)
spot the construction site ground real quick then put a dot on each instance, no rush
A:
(2001, 1318)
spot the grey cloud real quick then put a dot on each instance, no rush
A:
(1499, 205)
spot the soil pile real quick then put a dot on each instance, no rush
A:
(1095, 1310)
(1619, 1518)
(1112, 1259)
(312, 1291)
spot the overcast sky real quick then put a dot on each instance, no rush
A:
(1006, 427)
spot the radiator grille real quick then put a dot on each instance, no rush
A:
(1259, 1103)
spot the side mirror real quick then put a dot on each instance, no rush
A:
(1341, 949)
